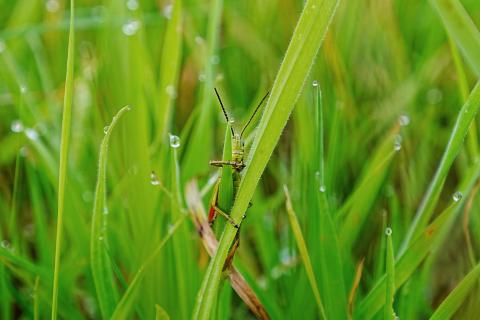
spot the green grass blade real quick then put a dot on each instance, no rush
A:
(64, 144)
(462, 28)
(170, 70)
(302, 247)
(455, 142)
(455, 299)
(160, 313)
(100, 263)
(388, 312)
(302, 50)
(410, 259)
(124, 306)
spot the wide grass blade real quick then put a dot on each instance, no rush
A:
(64, 146)
(302, 50)
(455, 299)
(100, 262)
(302, 247)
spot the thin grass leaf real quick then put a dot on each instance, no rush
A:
(64, 146)
(302, 50)
(99, 261)
(455, 299)
(302, 247)
(170, 70)
(455, 143)
(408, 261)
(388, 312)
(462, 28)
(124, 306)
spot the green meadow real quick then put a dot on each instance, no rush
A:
(352, 194)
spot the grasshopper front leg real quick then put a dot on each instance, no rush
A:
(214, 209)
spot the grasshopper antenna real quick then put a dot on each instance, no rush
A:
(253, 115)
(223, 109)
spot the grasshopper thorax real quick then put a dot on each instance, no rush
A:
(237, 148)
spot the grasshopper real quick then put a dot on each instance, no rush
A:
(232, 182)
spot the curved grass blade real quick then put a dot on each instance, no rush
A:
(302, 247)
(454, 300)
(302, 50)
(100, 263)
(62, 175)
(455, 142)
(160, 313)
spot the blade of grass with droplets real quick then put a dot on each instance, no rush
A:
(124, 306)
(356, 209)
(199, 148)
(462, 28)
(64, 144)
(388, 312)
(455, 299)
(302, 247)
(169, 70)
(408, 261)
(100, 263)
(302, 50)
(465, 117)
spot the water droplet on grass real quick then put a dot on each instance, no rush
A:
(388, 231)
(322, 188)
(397, 144)
(403, 120)
(434, 96)
(171, 92)
(131, 27)
(16, 126)
(5, 244)
(52, 6)
(154, 179)
(32, 134)
(174, 141)
(105, 129)
(167, 11)
(132, 5)
(201, 77)
(315, 83)
(457, 196)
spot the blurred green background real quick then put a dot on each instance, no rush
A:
(390, 79)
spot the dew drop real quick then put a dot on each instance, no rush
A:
(174, 141)
(171, 92)
(105, 129)
(23, 88)
(32, 134)
(404, 120)
(457, 196)
(201, 77)
(397, 144)
(315, 83)
(128, 108)
(132, 5)
(154, 179)
(5, 244)
(434, 96)
(170, 228)
(322, 188)
(131, 27)
(317, 175)
(52, 6)
(199, 40)
(388, 231)
(167, 11)
(16, 126)
(215, 59)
